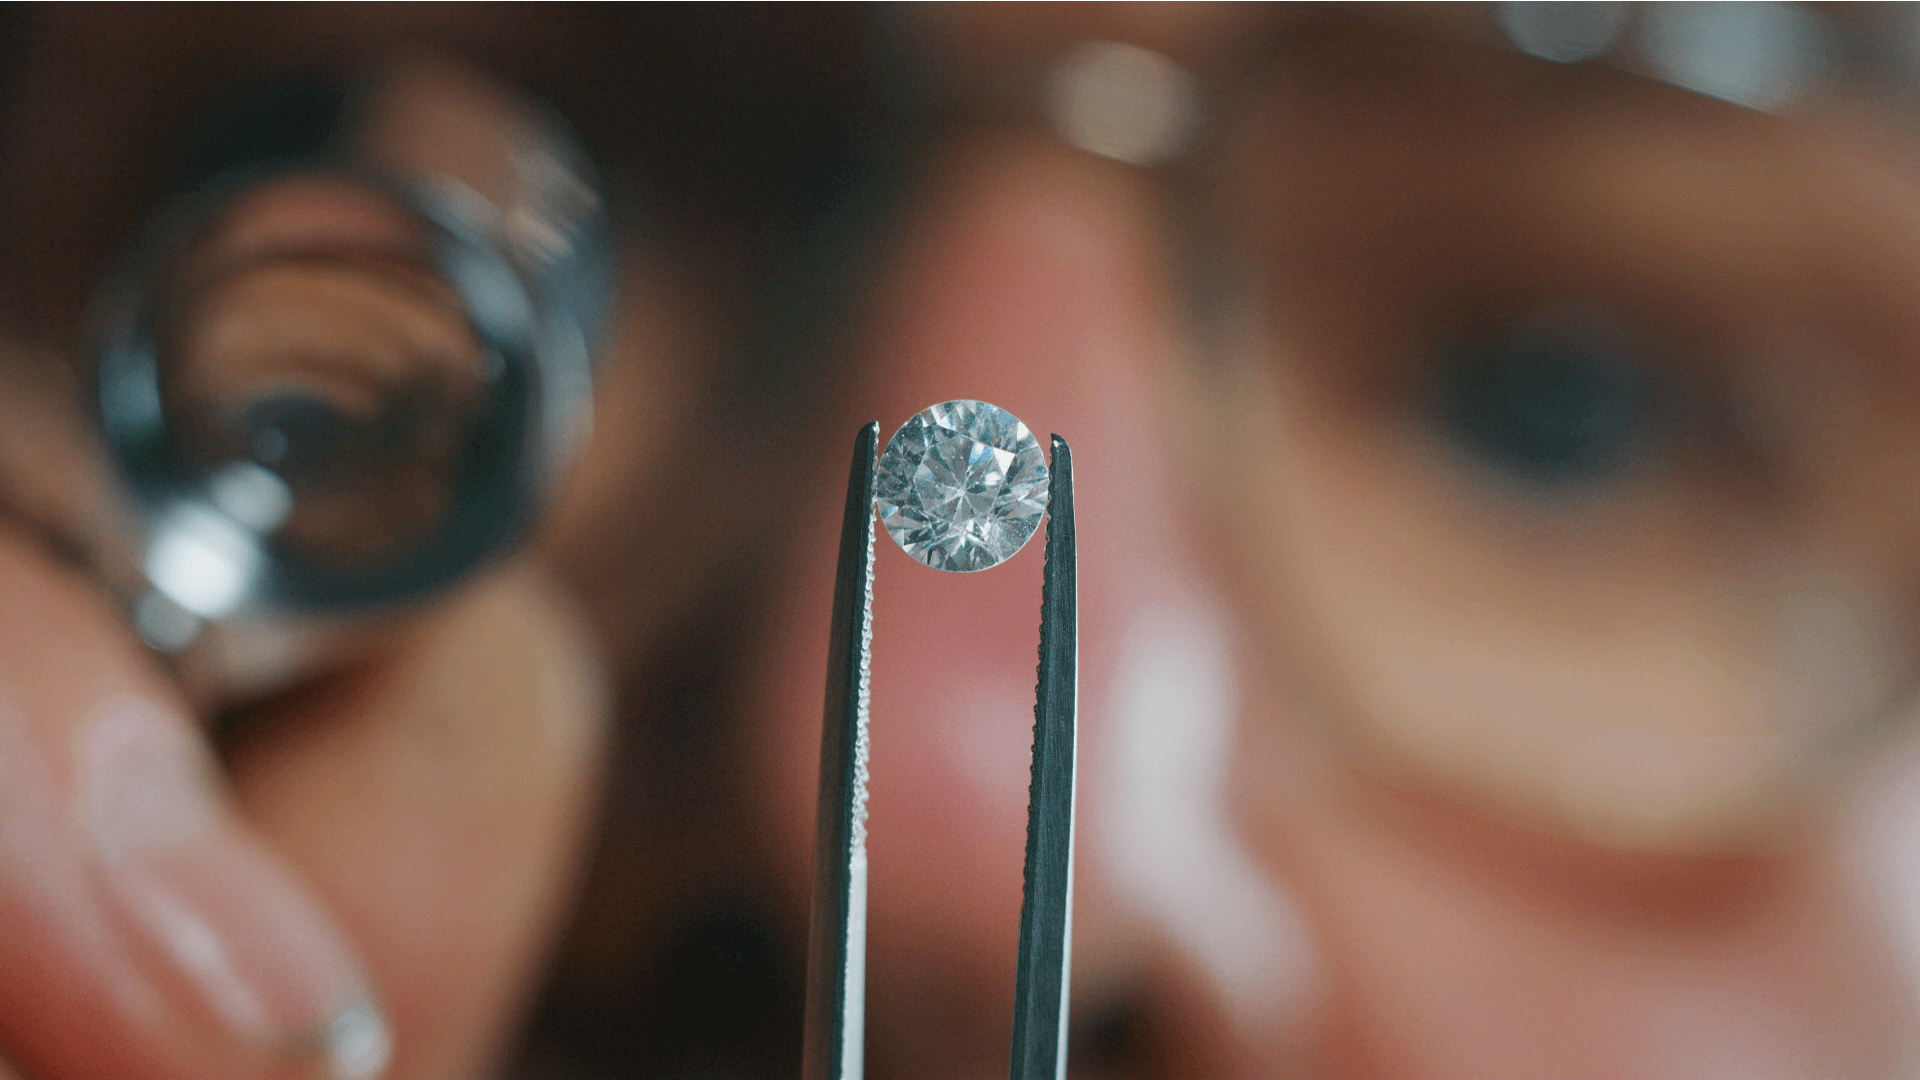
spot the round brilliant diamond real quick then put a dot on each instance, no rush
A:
(962, 486)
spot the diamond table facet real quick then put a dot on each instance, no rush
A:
(962, 486)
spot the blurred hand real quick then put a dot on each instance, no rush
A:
(382, 858)
(369, 867)
(358, 877)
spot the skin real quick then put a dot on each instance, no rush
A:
(1418, 916)
(393, 839)
(487, 771)
(1452, 912)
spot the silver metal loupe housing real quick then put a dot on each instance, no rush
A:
(341, 383)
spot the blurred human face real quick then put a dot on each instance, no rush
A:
(1483, 588)
(1526, 498)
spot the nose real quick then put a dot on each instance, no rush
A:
(1029, 283)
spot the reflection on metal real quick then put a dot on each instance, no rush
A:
(1563, 31)
(834, 1034)
(346, 378)
(1122, 101)
(835, 1009)
(1766, 56)
(202, 560)
(251, 496)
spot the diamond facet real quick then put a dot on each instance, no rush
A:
(961, 486)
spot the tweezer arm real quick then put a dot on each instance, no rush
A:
(1042, 977)
(837, 937)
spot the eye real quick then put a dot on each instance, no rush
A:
(1562, 398)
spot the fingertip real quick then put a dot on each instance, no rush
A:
(439, 800)
(149, 933)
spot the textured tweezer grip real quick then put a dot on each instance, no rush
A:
(1046, 917)
(836, 940)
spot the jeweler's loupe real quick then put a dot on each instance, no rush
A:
(344, 378)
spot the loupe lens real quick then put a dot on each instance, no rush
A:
(336, 385)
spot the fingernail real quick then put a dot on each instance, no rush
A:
(224, 924)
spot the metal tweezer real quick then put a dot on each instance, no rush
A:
(837, 940)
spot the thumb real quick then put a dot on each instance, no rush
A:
(149, 931)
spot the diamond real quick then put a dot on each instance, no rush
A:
(961, 486)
